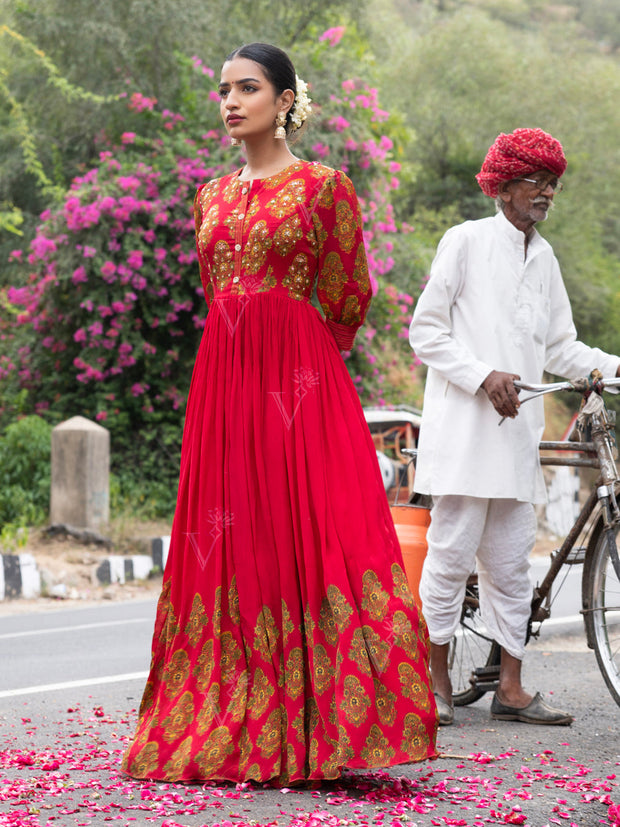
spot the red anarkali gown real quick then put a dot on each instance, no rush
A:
(287, 644)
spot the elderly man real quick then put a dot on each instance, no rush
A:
(494, 310)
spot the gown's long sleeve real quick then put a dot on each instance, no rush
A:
(343, 286)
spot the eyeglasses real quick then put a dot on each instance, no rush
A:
(541, 186)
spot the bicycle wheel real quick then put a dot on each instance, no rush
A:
(472, 652)
(601, 601)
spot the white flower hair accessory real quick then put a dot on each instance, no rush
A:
(303, 104)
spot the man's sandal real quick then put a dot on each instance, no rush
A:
(536, 712)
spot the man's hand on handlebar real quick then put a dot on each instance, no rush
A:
(500, 389)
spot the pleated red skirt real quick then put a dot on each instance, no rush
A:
(287, 644)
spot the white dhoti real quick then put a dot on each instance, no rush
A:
(495, 536)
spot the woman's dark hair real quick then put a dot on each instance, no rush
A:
(276, 64)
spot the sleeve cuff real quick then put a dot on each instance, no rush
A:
(344, 334)
(477, 374)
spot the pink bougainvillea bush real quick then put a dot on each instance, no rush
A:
(106, 310)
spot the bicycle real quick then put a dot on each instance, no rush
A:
(474, 656)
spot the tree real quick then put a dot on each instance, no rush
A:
(469, 77)
(108, 48)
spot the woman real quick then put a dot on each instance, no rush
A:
(287, 644)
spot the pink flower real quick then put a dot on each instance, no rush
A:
(79, 275)
(125, 273)
(339, 123)
(41, 246)
(129, 203)
(198, 64)
(333, 35)
(89, 252)
(129, 183)
(108, 269)
(72, 204)
(101, 416)
(128, 137)
(139, 282)
(322, 150)
(90, 215)
(139, 102)
(135, 259)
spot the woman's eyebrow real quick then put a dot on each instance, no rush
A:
(242, 80)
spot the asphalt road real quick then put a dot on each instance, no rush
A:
(71, 679)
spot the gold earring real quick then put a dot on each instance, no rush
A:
(235, 142)
(280, 130)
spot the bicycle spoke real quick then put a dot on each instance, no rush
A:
(471, 649)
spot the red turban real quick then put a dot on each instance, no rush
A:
(521, 153)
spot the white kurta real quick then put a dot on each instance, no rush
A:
(487, 307)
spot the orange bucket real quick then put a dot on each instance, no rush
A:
(411, 523)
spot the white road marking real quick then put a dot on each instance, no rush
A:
(50, 687)
(52, 629)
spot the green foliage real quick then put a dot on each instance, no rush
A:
(111, 290)
(25, 448)
(48, 133)
(486, 67)
(102, 49)
(598, 20)
(11, 219)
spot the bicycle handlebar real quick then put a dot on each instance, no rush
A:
(579, 385)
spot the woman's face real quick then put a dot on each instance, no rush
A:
(248, 101)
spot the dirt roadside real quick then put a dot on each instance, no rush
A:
(68, 569)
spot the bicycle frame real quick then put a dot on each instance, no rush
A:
(601, 456)
(597, 451)
(542, 592)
